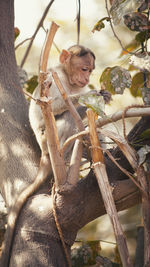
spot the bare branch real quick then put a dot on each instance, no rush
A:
(125, 172)
(127, 150)
(35, 33)
(78, 21)
(106, 191)
(68, 102)
(138, 112)
(21, 43)
(51, 131)
(73, 172)
(71, 139)
(123, 118)
(47, 46)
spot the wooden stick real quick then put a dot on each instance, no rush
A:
(106, 191)
(137, 112)
(68, 102)
(57, 161)
(73, 173)
(58, 164)
(48, 43)
(127, 150)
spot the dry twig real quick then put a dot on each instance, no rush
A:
(35, 33)
(73, 172)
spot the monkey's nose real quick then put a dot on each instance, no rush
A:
(87, 79)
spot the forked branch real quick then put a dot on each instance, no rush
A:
(35, 33)
(102, 179)
(75, 161)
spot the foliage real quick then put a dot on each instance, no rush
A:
(143, 152)
(16, 32)
(137, 83)
(137, 21)
(95, 102)
(116, 79)
(31, 84)
(85, 254)
(120, 8)
(100, 24)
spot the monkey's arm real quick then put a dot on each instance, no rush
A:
(59, 105)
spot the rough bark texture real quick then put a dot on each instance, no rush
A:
(36, 240)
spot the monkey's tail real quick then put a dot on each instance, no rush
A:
(43, 171)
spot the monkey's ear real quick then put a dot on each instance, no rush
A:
(64, 56)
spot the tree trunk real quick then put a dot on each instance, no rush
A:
(36, 241)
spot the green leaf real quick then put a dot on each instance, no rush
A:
(130, 47)
(96, 103)
(120, 79)
(91, 86)
(141, 37)
(100, 25)
(31, 84)
(115, 80)
(143, 153)
(120, 8)
(80, 256)
(137, 84)
(145, 134)
(16, 32)
(105, 80)
(86, 254)
(137, 21)
(96, 248)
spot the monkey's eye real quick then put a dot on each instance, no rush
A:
(85, 69)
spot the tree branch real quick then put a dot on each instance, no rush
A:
(73, 172)
(35, 33)
(138, 112)
(106, 191)
(51, 131)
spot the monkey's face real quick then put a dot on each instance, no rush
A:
(79, 69)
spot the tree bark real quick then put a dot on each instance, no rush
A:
(36, 241)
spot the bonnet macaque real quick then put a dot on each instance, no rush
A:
(76, 65)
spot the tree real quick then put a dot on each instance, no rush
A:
(36, 241)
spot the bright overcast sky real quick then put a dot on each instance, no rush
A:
(28, 13)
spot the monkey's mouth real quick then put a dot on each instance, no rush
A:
(82, 84)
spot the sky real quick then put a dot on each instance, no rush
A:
(28, 13)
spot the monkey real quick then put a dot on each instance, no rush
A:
(76, 65)
(74, 70)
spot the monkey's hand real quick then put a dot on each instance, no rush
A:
(106, 95)
(48, 81)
